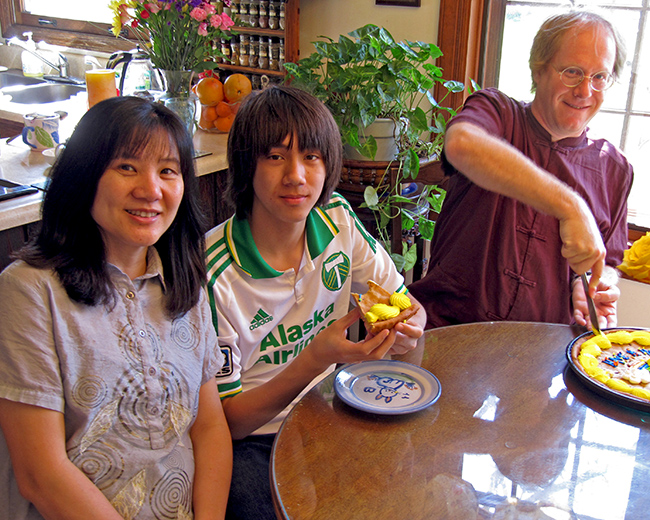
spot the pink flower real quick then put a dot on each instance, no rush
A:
(198, 14)
(215, 21)
(203, 29)
(209, 8)
(226, 22)
(152, 8)
(124, 15)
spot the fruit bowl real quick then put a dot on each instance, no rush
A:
(218, 118)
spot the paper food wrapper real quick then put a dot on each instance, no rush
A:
(636, 260)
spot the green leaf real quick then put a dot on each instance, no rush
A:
(426, 228)
(371, 198)
(410, 257)
(399, 261)
(407, 220)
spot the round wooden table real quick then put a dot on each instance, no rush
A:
(515, 434)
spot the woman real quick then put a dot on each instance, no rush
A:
(108, 402)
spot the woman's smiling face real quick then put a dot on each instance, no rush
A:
(565, 111)
(137, 199)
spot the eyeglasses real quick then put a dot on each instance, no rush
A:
(573, 76)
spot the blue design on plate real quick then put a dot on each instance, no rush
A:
(387, 387)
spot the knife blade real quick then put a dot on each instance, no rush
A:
(593, 316)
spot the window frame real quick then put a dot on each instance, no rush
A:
(64, 32)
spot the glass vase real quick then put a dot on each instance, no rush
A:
(178, 96)
(178, 83)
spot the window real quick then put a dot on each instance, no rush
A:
(67, 23)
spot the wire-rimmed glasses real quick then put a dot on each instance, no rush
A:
(573, 76)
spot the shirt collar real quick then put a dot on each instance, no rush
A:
(320, 231)
(542, 133)
(154, 268)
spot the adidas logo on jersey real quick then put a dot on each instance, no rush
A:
(260, 319)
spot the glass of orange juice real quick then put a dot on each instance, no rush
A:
(100, 85)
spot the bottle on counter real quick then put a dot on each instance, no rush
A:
(32, 66)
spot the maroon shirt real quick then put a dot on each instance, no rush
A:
(493, 258)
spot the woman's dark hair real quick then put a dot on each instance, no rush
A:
(263, 121)
(70, 241)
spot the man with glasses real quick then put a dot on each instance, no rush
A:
(532, 201)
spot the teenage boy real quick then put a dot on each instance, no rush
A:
(281, 271)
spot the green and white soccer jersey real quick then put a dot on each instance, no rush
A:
(265, 318)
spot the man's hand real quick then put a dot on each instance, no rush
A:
(605, 299)
(582, 243)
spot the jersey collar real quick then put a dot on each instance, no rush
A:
(320, 231)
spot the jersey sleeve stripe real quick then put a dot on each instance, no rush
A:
(229, 389)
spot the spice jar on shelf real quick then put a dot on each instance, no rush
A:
(281, 16)
(225, 50)
(234, 50)
(274, 55)
(243, 11)
(274, 12)
(264, 14)
(253, 13)
(254, 52)
(263, 61)
(234, 9)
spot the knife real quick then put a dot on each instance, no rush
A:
(593, 316)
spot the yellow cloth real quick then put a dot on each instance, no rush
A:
(636, 260)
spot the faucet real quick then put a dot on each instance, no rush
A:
(61, 68)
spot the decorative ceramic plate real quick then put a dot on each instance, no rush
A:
(387, 387)
(572, 352)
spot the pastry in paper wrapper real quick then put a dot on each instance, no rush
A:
(383, 310)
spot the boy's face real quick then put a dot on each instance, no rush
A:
(287, 184)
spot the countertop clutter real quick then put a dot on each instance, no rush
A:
(20, 165)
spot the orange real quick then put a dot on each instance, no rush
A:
(208, 116)
(224, 109)
(236, 87)
(223, 124)
(209, 113)
(209, 91)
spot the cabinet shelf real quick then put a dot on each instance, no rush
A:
(289, 34)
(252, 70)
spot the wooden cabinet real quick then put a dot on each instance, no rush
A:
(286, 38)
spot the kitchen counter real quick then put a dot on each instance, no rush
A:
(19, 164)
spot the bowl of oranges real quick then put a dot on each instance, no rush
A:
(220, 101)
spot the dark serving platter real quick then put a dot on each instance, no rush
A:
(598, 387)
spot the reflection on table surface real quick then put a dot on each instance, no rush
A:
(514, 435)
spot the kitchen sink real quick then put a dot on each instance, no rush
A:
(13, 77)
(41, 93)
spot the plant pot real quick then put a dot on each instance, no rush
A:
(383, 130)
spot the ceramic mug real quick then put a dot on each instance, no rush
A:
(41, 131)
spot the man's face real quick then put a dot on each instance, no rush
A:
(565, 111)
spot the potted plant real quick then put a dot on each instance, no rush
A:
(369, 76)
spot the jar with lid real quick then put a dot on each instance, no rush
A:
(281, 55)
(263, 61)
(264, 14)
(234, 9)
(243, 11)
(274, 57)
(253, 13)
(234, 50)
(225, 50)
(273, 15)
(254, 52)
(281, 16)
(243, 54)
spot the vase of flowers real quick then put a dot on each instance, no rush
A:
(178, 36)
